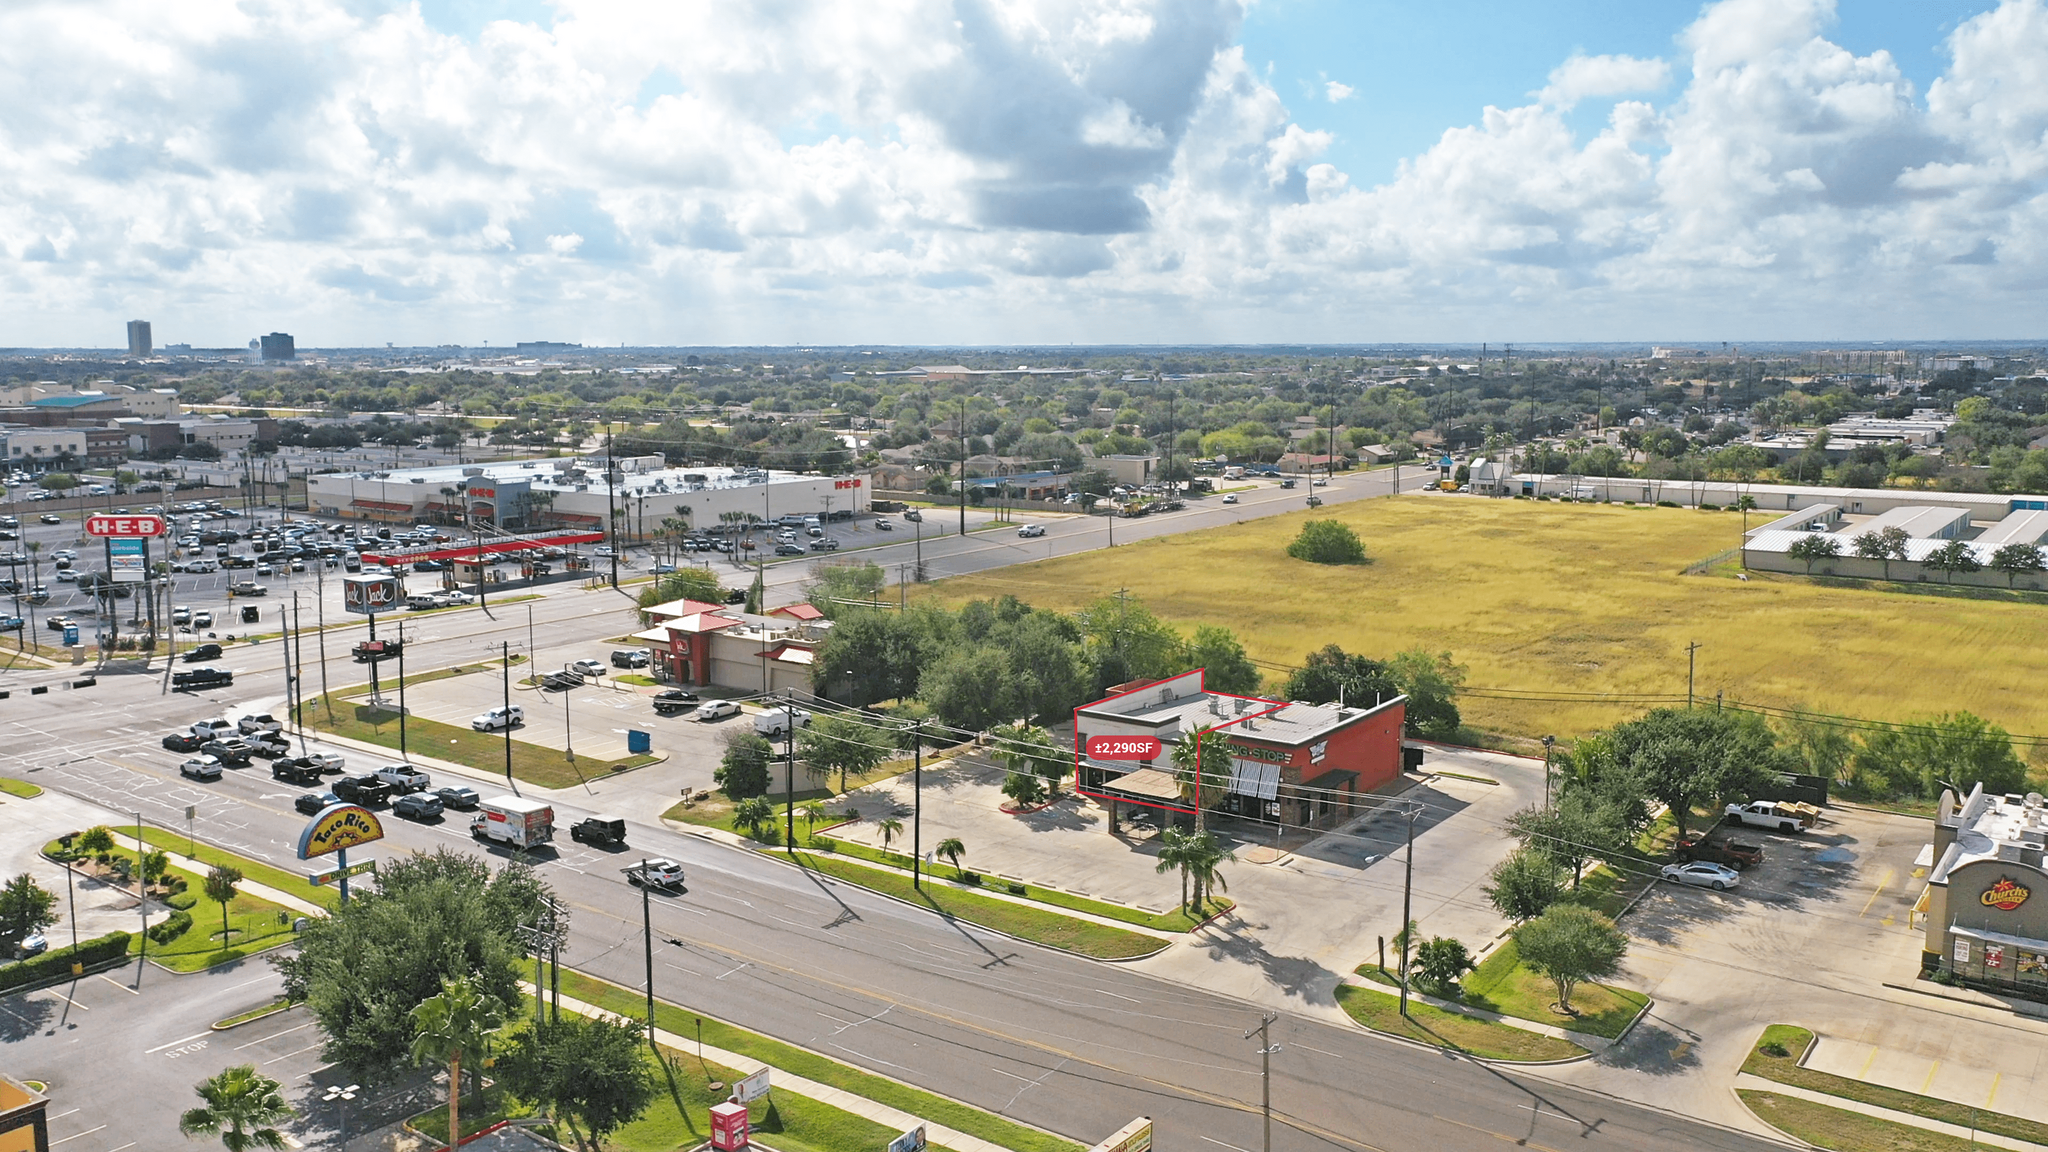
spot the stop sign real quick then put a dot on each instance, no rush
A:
(139, 525)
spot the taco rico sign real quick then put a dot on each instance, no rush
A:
(2005, 895)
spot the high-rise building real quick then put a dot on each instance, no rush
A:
(138, 338)
(278, 346)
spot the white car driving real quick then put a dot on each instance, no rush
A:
(1030, 530)
(717, 709)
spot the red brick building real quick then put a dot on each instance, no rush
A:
(1295, 764)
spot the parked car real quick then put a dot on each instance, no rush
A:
(202, 619)
(183, 742)
(207, 651)
(659, 872)
(314, 803)
(458, 797)
(630, 658)
(417, 806)
(1783, 815)
(1734, 853)
(601, 830)
(717, 710)
(588, 667)
(200, 768)
(787, 548)
(1701, 874)
(885, 526)
(498, 718)
(670, 701)
(912, 515)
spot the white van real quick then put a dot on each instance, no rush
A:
(776, 721)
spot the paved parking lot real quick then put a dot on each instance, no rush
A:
(1303, 920)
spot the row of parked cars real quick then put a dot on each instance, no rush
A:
(1713, 861)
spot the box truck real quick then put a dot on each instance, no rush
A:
(514, 822)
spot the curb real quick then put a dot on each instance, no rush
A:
(1460, 1053)
(218, 1026)
(1783, 1135)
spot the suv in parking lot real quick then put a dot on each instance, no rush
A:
(498, 718)
(630, 658)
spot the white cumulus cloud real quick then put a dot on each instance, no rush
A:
(1337, 90)
(1584, 76)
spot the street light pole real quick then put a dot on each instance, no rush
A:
(917, 807)
(789, 772)
(1548, 743)
(1407, 896)
(1266, 1051)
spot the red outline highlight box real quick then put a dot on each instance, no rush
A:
(1270, 707)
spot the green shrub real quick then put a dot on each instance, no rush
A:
(172, 927)
(57, 962)
(1327, 542)
(971, 878)
(1667, 503)
(1710, 507)
(184, 901)
(1015, 889)
(1774, 1049)
(179, 884)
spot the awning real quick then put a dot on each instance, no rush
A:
(790, 655)
(1989, 937)
(1146, 784)
(381, 505)
(490, 548)
(1257, 778)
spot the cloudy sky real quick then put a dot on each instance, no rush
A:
(1022, 171)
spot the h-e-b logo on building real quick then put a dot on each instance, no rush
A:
(2005, 895)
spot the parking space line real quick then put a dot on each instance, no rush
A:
(1881, 882)
(275, 1035)
(68, 1000)
(118, 984)
(1931, 1070)
(289, 1055)
(175, 1043)
(1993, 1094)
(1864, 1072)
(76, 1135)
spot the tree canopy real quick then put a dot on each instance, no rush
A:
(1327, 542)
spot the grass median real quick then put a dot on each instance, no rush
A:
(1845, 1131)
(937, 1109)
(547, 767)
(1766, 1060)
(1503, 985)
(21, 788)
(270, 875)
(1381, 1012)
(1098, 941)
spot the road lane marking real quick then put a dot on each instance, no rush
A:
(175, 1043)
(1233, 1147)
(1106, 992)
(723, 975)
(1881, 882)
(1318, 1051)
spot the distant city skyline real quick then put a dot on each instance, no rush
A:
(1034, 173)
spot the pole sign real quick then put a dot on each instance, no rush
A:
(330, 875)
(128, 559)
(369, 595)
(137, 525)
(339, 827)
(911, 1141)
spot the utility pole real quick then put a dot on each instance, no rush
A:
(611, 535)
(1548, 743)
(789, 771)
(320, 628)
(917, 806)
(1407, 895)
(505, 649)
(1266, 1051)
(647, 941)
(402, 754)
(963, 464)
(1691, 661)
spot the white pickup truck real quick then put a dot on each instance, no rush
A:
(404, 778)
(1783, 815)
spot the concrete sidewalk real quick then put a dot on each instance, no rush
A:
(788, 1082)
(1958, 1073)
(1760, 1084)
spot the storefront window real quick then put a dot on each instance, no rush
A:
(2032, 965)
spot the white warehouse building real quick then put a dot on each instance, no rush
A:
(572, 492)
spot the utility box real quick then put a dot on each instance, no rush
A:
(638, 743)
(728, 1126)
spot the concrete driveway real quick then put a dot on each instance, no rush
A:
(1812, 938)
(1303, 919)
(27, 825)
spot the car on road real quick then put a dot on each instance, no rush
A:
(67, 576)
(12, 623)
(1320, 482)
(498, 718)
(50, 518)
(458, 797)
(259, 722)
(1702, 874)
(1030, 530)
(417, 806)
(198, 678)
(601, 830)
(207, 651)
(229, 750)
(717, 710)
(787, 548)
(314, 803)
(670, 701)
(181, 615)
(885, 526)
(1230, 497)
(200, 768)
(588, 667)
(292, 770)
(201, 566)
(659, 872)
(33, 944)
(362, 790)
(247, 588)
(827, 545)
(404, 778)
(776, 721)
(183, 742)
(912, 515)
(60, 623)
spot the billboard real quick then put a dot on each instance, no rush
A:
(368, 595)
(128, 559)
(124, 525)
(751, 1088)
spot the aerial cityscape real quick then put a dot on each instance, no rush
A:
(1024, 576)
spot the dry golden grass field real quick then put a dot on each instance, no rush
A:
(1574, 598)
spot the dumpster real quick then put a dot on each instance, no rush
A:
(638, 743)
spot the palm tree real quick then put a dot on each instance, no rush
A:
(952, 849)
(1204, 755)
(813, 812)
(1175, 852)
(1206, 855)
(891, 828)
(242, 1105)
(754, 813)
(461, 1019)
